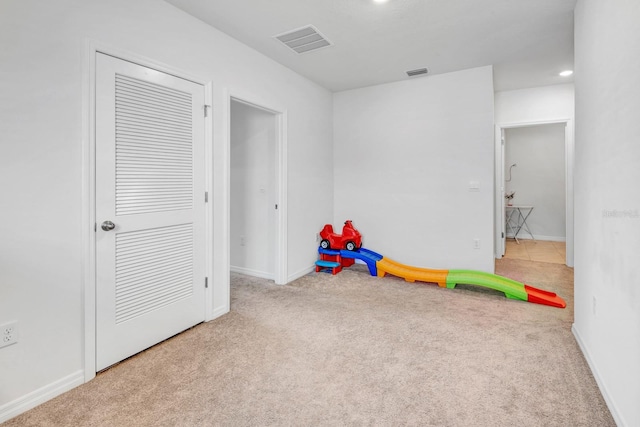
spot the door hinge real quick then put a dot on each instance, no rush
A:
(95, 227)
(502, 234)
(206, 196)
(205, 110)
(276, 206)
(206, 282)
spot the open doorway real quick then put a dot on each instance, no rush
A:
(535, 184)
(256, 173)
(535, 167)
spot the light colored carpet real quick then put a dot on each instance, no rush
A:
(356, 350)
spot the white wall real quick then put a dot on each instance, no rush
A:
(538, 178)
(252, 228)
(538, 104)
(42, 52)
(607, 272)
(404, 155)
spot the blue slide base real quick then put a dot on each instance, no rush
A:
(369, 257)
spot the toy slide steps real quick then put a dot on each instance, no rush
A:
(379, 266)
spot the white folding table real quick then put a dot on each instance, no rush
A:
(517, 220)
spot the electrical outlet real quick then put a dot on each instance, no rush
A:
(476, 243)
(8, 333)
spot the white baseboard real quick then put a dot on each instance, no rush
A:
(250, 272)
(220, 311)
(263, 275)
(526, 236)
(596, 374)
(41, 395)
(301, 273)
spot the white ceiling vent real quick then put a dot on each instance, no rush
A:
(304, 39)
(417, 72)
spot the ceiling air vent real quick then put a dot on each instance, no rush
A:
(417, 72)
(304, 39)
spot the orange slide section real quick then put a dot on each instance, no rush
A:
(412, 274)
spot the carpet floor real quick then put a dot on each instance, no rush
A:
(352, 349)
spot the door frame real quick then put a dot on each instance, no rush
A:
(89, 221)
(281, 168)
(569, 151)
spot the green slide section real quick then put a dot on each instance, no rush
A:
(511, 288)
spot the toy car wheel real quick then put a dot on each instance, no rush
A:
(350, 246)
(324, 244)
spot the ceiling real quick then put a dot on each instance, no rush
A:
(528, 41)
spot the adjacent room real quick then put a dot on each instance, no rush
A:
(535, 182)
(168, 165)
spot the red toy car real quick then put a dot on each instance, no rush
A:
(351, 239)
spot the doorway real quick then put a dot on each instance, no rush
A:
(534, 174)
(256, 186)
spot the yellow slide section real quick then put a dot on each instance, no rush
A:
(412, 274)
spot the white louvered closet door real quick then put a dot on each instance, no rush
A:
(150, 186)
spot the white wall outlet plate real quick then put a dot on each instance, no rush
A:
(8, 333)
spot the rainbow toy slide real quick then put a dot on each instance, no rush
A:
(378, 265)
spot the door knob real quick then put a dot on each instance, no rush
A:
(108, 226)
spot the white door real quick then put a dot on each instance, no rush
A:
(503, 238)
(149, 207)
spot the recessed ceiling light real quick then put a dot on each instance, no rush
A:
(380, 1)
(566, 73)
